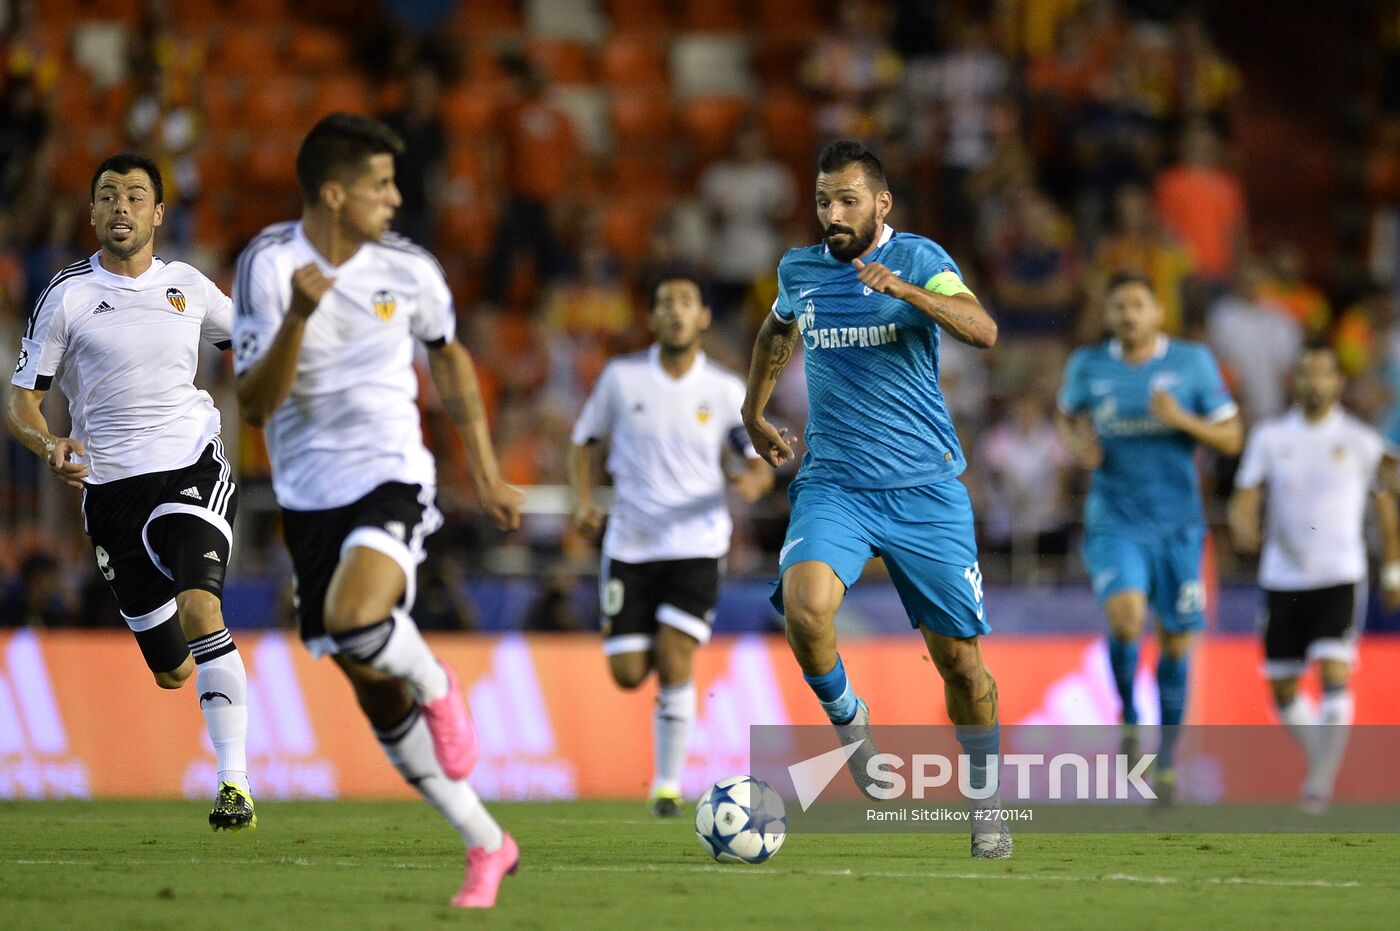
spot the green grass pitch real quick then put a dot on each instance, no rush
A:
(156, 865)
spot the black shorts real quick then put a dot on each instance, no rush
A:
(161, 533)
(680, 593)
(1319, 623)
(395, 519)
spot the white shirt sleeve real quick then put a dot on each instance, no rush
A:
(595, 421)
(435, 322)
(217, 326)
(1254, 464)
(259, 304)
(43, 344)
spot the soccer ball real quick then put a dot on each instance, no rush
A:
(741, 820)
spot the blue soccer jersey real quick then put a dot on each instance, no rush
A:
(878, 419)
(1147, 485)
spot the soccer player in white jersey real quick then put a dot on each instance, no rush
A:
(327, 312)
(669, 414)
(121, 331)
(1312, 469)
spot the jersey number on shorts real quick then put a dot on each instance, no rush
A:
(612, 597)
(973, 574)
(104, 564)
(1191, 598)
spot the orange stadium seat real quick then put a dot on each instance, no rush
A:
(253, 51)
(479, 19)
(639, 116)
(789, 123)
(637, 174)
(470, 109)
(340, 92)
(272, 161)
(711, 122)
(639, 16)
(790, 19)
(564, 60)
(257, 11)
(193, 14)
(627, 228)
(715, 16)
(317, 49)
(634, 61)
(222, 96)
(276, 103)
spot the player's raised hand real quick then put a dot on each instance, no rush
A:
(61, 461)
(308, 287)
(589, 522)
(502, 504)
(773, 445)
(876, 277)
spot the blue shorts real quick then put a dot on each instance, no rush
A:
(1168, 571)
(924, 535)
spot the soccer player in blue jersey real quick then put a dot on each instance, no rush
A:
(880, 473)
(1133, 410)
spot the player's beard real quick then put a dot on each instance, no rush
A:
(133, 245)
(857, 241)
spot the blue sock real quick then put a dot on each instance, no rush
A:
(1171, 690)
(1123, 657)
(834, 692)
(979, 743)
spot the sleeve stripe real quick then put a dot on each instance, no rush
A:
(1224, 412)
(279, 234)
(77, 269)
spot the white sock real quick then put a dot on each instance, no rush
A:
(409, 747)
(675, 711)
(222, 684)
(395, 647)
(1336, 712)
(1299, 716)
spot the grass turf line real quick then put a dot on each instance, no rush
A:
(606, 865)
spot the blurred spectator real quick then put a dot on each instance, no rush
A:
(419, 171)
(1036, 272)
(1288, 288)
(1138, 243)
(1025, 470)
(1207, 83)
(553, 608)
(1115, 144)
(1365, 338)
(543, 166)
(596, 300)
(748, 197)
(1255, 341)
(23, 126)
(851, 68)
(163, 123)
(1203, 204)
(957, 94)
(38, 598)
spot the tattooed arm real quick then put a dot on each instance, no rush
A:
(771, 353)
(455, 377)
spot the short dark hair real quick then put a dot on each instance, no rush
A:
(1120, 278)
(1319, 345)
(657, 279)
(124, 163)
(842, 152)
(340, 143)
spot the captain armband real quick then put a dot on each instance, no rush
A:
(948, 284)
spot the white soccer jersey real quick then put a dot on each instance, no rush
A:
(666, 439)
(351, 421)
(1316, 477)
(125, 351)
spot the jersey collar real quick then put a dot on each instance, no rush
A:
(654, 356)
(321, 261)
(1159, 351)
(121, 280)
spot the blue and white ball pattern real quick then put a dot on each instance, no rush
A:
(741, 820)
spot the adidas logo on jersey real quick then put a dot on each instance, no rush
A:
(212, 555)
(103, 308)
(192, 492)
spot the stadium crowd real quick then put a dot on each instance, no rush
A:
(560, 152)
